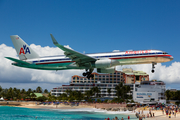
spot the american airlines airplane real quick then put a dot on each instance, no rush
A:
(104, 62)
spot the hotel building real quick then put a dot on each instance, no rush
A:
(150, 92)
(103, 81)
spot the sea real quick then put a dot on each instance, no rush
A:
(19, 113)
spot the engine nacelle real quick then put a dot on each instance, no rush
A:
(106, 70)
(105, 63)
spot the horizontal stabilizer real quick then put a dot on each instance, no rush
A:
(16, 60)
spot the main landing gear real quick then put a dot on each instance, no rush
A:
(88, 73)
(153, 66)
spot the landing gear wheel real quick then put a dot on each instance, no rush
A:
(92, 76)
(84, 74)
(152, 71)
(88, 77)
(88, 73)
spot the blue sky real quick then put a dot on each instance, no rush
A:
(94, 25)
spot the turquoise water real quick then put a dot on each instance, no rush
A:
(17, 113)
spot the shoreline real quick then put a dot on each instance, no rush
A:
(158, 113)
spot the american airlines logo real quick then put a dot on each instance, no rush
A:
(138, 52)
(24, 50)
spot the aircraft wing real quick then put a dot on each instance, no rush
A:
(79, 58)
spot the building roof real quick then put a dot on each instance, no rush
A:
(130, 71)
(38, 94)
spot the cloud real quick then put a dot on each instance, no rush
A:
(168, 74)
(12, 74)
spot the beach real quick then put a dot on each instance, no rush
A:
(100, 107)
(158, 115)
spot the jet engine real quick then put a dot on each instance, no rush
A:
(105, 63)
(106, 70)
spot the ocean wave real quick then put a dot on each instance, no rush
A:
(96, 110)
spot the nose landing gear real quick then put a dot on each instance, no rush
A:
(153, 66)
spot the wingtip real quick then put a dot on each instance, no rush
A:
(53, 39)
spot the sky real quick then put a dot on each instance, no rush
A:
(88, 26)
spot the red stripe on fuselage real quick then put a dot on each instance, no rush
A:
(131, 57)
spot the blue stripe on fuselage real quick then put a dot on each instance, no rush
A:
(107, 56)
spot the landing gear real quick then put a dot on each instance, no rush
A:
(88, 73)
(153, 66)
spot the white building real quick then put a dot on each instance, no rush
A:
(150, 92)
(102, 81)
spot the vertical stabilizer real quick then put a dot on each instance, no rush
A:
(22, 48)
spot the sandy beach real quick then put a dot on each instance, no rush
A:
(158, 113)
(60, 106)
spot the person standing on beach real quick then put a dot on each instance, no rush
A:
(147, 115)
(162, 111)
(175, 114)
(169, 114)
(122, 118)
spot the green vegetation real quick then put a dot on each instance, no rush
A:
(122, 91)
(17, 94)
(172, 95)
(69, 95)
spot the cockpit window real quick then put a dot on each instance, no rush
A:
(165, 53)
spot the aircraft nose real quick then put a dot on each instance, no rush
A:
(171, 57)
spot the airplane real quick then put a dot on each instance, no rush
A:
(104, 62)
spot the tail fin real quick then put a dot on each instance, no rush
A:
(22, 48)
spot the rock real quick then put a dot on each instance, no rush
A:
(130, 108)
(115, 109)
(108, 109)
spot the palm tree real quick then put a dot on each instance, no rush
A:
(10, 93)
(23, 91)
(109, 91)
(168, 94)
(64, 96)
(29, 90)
(121, 90)
(39, 89)
(33, 96)
(88, 94)
(68, 92)
(96, 90)
(1, 89)
(45, 91)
